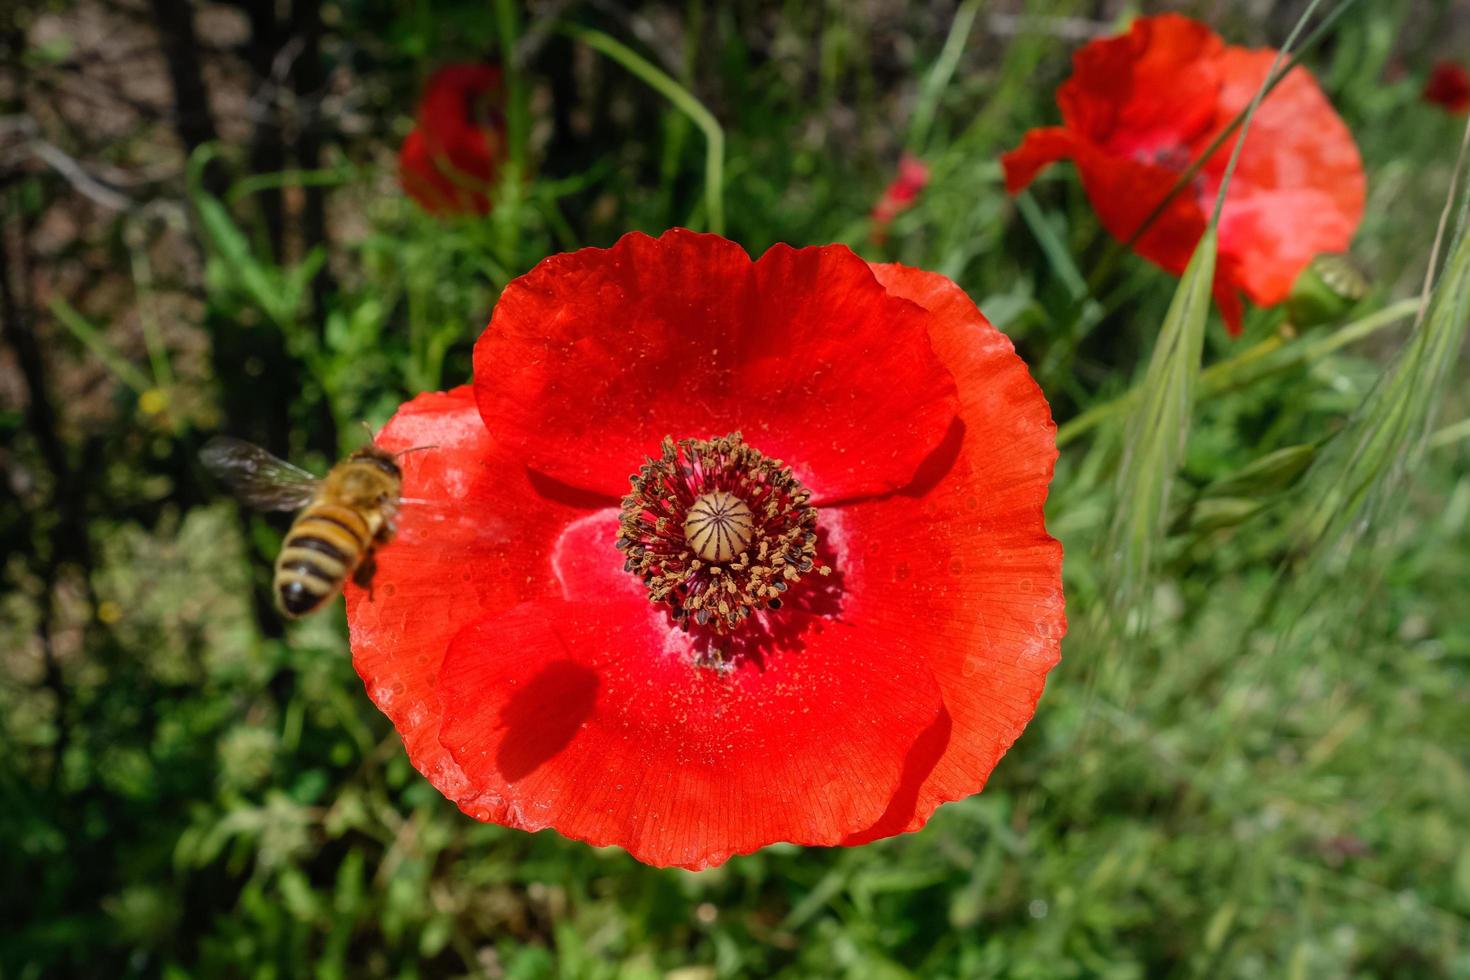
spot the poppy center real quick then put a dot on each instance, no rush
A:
(718, 526)
(717, 530)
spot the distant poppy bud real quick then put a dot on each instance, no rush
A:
(740, 552)
(1141, 107)
(900, 195)
(1328, 287)
(450, 160)
(1448, 87)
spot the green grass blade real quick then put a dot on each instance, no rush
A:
(517, 111)
(92, 338)
(1359, 479)
(1052, 247)
(932, 89)
(683, 100)
(1265, 359)
(1158, 429)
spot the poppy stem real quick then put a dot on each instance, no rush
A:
(1251, 365)
(683, 100)
(1450, 434)
(934, 84)
(326, 177)
(517, 119)
(92, 338)
(1115, 249)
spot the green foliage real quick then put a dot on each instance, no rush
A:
(1359, 481)
(189, 790)
(1158, 429)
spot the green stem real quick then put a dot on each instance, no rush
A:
(93, 340)
(1235, 372)
(1051, 246)
(517, 117)
(934, 84)
(1450, 434)
(163, 375)
(681, 99)
(255, 183)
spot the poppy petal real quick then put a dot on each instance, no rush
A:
(587, 563)
(420, 179)
(966, 580)
(1124, 193)
(594, 356)
(449, 95)
(449, 161)
(1146, 90)
(1448, 86)
(591, 718)
(1227, 298)
(1140, 107)
(1038, 150)
(477, 547)
(1298, 190)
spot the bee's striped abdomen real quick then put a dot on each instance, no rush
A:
(321, 550)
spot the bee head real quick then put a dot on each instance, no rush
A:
(380, 458)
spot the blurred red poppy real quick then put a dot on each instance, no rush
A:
(1448, 87)
(1140, 107)
(824, 603)
(900, 194)
(450, 160)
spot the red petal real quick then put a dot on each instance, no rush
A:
(1448, 87)
(594, 356)
(1038, 150)
(480, 549)
(452, 182)
(1141, 106)
(419, 177)
(957, 570)
(1150, 89)
(587, 564)
(1132, 100)
(449, 161)
(1227, 298)
(592, 719)
(1298, 190)
(449, 96)
(1124, 193)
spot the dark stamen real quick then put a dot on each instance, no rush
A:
(717, 530)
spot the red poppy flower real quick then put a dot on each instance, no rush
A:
(451, 158)
(900, 194)
(1448, 86)
(1139, 108)
(824, 603)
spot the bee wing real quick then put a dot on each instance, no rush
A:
(256, 477)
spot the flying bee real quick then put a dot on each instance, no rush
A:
(344, 517)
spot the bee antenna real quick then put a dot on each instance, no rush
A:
(404, 452)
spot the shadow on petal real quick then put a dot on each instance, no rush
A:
(565, 493)
(938, 463)
(542, 718)
(922, 756)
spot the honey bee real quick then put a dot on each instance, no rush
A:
(344, 517)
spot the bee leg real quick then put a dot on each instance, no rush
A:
(363, 576)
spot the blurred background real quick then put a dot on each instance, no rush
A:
(203, 231)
